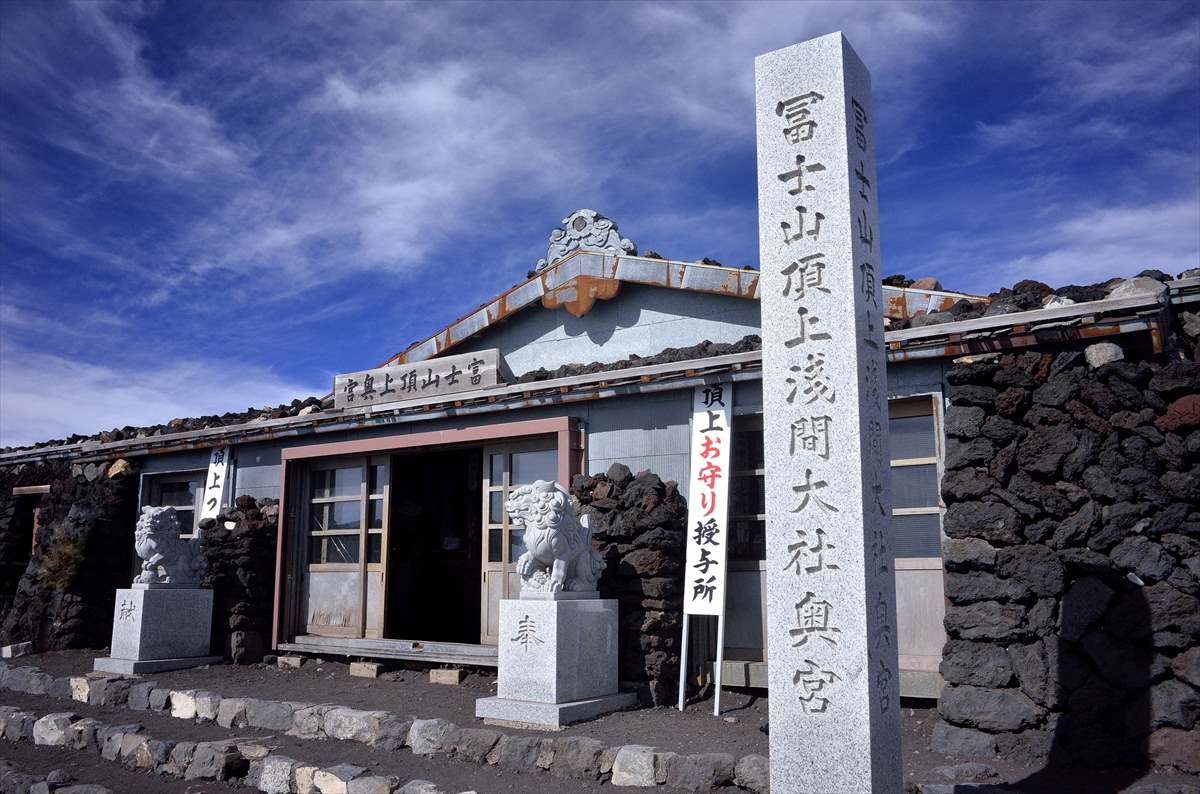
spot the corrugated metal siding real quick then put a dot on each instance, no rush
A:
(645, 433)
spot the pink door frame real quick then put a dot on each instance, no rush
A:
(570, 461)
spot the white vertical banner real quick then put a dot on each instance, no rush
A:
(214, 484)
(708, 501)
(708, 520)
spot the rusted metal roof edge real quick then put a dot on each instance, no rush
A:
(667, 273)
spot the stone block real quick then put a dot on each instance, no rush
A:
(309, 721)
(336, 779)
(160, 700)
(152, 753)
(179, 759)
(139, 695)
(207, 705)
(577, 757)
(183, 704)
(1177, 748)
(269, 714)
(389, 731)
(253, 751)
(366, 669)
(54, 729)
(231, 713)
(446, 676)
(373, 784)
(80, 684)
(15, 650)
(515, 752)
(289, 662)
(977, 663)
(18, 727)
(427, 737)
(84, 734)
(275, 774)
(952, 740)
(752, 773)
(110, 690)
(349, 724)
(988, 709)
(700, 772)
(216, 761)
(302, 779)
(474, 744)
(420, 787)
(634, 766)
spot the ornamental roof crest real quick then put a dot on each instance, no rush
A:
(586, 230)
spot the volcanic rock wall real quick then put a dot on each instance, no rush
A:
(84, 552)
(240, 547)
(639, 525)
(1073, 559)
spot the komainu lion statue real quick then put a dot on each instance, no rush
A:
(560, 554)
(167, 559)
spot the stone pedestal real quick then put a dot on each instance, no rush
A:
(558, 664)
(157, 629)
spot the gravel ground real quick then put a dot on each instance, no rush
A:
(408, 692)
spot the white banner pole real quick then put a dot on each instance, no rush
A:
(683, 654)
(720, 660)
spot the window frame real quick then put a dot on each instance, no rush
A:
(152, 495)
(923, 404)
(364, 498)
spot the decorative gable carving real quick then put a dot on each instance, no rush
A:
(586, 230)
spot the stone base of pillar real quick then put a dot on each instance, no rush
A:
(558, 664)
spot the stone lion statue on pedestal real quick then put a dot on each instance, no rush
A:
(560, 556)
(167, 559)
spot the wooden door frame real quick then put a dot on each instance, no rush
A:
(569, 443)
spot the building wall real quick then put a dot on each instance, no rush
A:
(641, 321)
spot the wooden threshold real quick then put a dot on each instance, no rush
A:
(410, 650)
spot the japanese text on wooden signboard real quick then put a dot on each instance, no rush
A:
(432, 378)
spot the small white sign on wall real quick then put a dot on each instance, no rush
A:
(708, 501)
(212, 498)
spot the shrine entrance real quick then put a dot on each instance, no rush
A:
(401, 547)
(434, 545)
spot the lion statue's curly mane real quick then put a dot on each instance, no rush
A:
(560, 554)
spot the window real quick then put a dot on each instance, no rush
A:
(916, 500)
(180, 490)
(342, 496)
(747, 490)
(508, 470)
(916, 497)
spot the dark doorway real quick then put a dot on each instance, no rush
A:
(434, 548)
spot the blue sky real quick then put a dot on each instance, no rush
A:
(208, 206)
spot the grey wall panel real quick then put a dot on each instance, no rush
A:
(915, 377)
(175, 461)
(641, 320)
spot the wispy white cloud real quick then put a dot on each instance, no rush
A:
(47, 396)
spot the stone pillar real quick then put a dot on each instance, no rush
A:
(831, 623)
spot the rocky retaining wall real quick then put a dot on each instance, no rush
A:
(61, 602)
(240, 547)
(1073, 559)
(639, 525)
